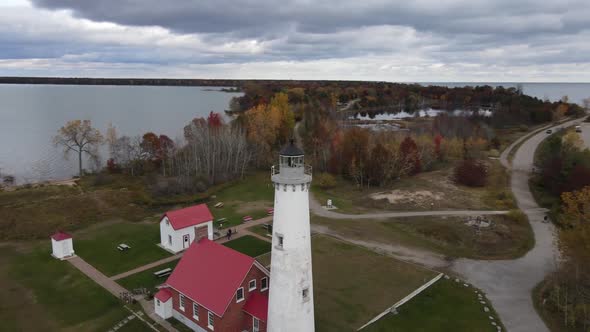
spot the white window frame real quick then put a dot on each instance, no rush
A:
(243, 295)
(195, 306)
(158, 302)
(250, 287)
(170, 240)
(210, 320)
(181, 302)
(262, 286)
(255, 324)
(167, 222)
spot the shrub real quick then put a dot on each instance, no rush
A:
(471, 173)
(326, 181)
(517, 216)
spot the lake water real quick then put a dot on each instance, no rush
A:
(30, 115)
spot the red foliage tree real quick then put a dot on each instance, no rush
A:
(112, 166)
(578, 178)
(214, 120)
(409, 154)
(471, 173)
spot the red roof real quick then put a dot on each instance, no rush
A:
(210, 274)
(163, 295)
(59, 236)
(190, 216)
(257, 305)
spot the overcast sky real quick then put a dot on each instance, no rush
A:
(406, 41)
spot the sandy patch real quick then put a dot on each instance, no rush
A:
(404, 196)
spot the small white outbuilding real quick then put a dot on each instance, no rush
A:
(62, 245)
(179, 228)
(163, 303)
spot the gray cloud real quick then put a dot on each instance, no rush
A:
(413, 38)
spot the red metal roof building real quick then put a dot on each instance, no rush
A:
(180, 228)
(190, 216)
(215, 288)
(60, 236)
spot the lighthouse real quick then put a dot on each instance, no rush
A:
(290, 307)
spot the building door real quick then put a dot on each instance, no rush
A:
(186, 240)
(255, 324)
(201, 232)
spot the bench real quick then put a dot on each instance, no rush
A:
(123, 247)
(163, 272)
(247, 218)
(218, 205)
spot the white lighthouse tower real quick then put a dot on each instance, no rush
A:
(290, 307)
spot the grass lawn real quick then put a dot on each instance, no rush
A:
(509, 237)
(178, 325)
(40, 291)
(249, 245)
(250, 196)
(260, 230)
(353, 284)
(98, 246)
(432, 190)
(146, 279)
(445, 306)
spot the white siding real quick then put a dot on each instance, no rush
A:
(178, 243)
(163, 310)
(62, 249)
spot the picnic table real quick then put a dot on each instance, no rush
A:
(270, 212)
(123, 247)
(218, 205)
(247, 218)
(163, 272)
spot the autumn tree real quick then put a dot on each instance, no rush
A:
(410, 155)
(80, 137)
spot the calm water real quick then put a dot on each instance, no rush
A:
(30, 115)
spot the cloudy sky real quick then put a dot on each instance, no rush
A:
(417, 40)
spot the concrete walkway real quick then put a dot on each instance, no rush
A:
(116, 289)
(147, 266)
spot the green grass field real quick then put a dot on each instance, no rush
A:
(249, 245)
(510, 237)
(40, 291)
(353, 284)
(146, 279)
(99, 246)
(250, 196)
(445, 306)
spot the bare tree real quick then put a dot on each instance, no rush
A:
(80, 137)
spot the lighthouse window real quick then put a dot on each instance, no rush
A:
(305, 294)
(280, 241)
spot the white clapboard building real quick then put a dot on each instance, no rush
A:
(179, 228)
(62, 245)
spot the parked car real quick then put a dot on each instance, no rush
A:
(549, 131)
(578, 129)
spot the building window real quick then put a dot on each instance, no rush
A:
(240, 295)
(255, 324)
(170, 240)
(252, 285)
(264, 284)
(181, 302)
(210, 320)
(195, 311)
(158, 302)
(280, 241)
(167, 222)
(305, 294)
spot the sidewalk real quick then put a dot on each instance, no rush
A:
(242, 229)
(147, 266)
(116, 289)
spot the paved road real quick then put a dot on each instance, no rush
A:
(508, 283)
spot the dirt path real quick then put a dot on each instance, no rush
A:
(413, 255)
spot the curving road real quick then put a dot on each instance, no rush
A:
(507, 283)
